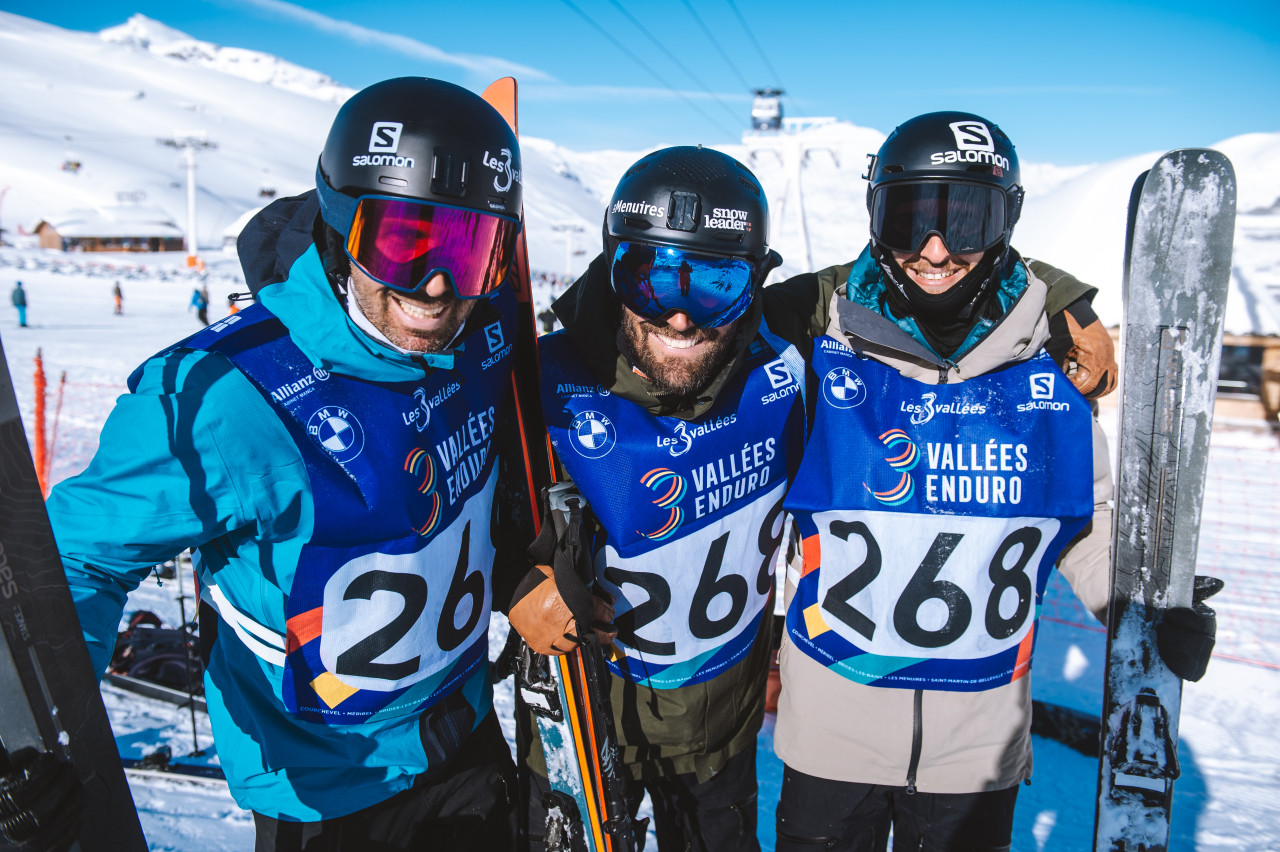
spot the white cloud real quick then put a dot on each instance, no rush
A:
(485, 65)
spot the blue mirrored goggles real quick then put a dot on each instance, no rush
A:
(654, 281)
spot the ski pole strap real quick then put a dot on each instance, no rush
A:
(788, 353)
(560, 544)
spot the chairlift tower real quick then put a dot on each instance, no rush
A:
(792, 147)
(189, 142)
(568, 229)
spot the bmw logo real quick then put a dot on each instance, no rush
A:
(338, 431)
(843, 388)
(592, 434)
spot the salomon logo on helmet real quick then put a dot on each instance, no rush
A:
(385, 138)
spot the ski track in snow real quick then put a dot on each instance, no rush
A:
(1227, 799)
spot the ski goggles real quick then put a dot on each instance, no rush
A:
(653, 281)
(401, 242)
(969, 217)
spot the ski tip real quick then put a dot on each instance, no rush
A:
(501, 95)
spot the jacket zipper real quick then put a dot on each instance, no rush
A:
(917, 737)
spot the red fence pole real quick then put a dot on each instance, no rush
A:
(39, 449)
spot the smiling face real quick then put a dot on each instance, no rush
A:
(934, 268)
(423, 322)
(677, 356)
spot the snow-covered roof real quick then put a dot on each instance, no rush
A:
(233, 230)
(125, 222)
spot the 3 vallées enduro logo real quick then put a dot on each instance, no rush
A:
(669, 487)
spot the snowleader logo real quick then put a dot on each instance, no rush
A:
(727, 219)
(384, 142)
(974, 144)
(503, 168)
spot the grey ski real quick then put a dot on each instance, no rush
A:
(49, 698)
(1178, 264)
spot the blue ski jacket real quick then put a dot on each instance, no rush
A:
(198, 455)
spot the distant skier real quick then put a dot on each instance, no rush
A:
(347, 568)
(117, 296)
(685, 272)
(19, 297)
(200, 301)
(547, 318)
(965, 471)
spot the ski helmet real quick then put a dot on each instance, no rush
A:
(692, 198)
(939, 153)
(421, 139)
(687, 229)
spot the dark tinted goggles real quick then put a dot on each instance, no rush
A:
(401, 243)
(968, 217)
(653, 281)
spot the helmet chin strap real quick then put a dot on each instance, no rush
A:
(914, 297)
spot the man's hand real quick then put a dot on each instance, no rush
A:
(1093, 355)
(542, 618)
(1185, 635)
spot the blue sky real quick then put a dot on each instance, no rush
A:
(1070, 82)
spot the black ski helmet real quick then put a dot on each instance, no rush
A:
(950, 147)
(693, 198)
(419, 138)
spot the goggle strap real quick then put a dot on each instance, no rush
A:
(337, 209)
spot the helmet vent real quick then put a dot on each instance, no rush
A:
(633, 222)
(755, 190)
(449, 172)
(392, 181)
(684, 211)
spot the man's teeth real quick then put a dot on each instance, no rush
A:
(934, 276)
(677, 342)
(418, 311)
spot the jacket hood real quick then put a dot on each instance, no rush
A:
(589, 311)
(288, 264)
(858, 315)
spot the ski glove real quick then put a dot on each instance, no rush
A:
(1091, 361)
(1185, 635)
(541, 616)
(40, 802)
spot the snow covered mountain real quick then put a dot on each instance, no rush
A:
(102, 100)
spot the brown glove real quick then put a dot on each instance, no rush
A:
(542, 618)
(1093, 356)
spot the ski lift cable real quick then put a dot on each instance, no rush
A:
(622, 47)
(752, 36)
(670, 55)
(723, 53)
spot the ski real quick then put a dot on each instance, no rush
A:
(1177, 266)
(49, 698)
(568, 695)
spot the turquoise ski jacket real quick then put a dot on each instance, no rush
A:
(196, 457)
